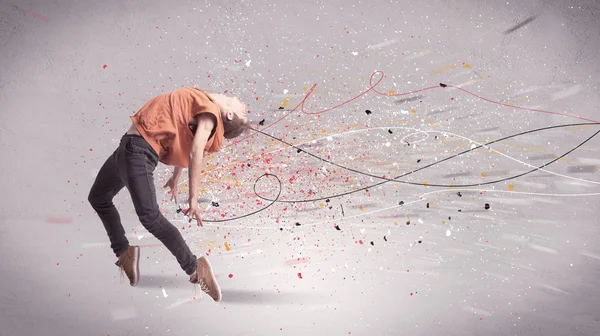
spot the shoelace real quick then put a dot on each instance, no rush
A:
(121, 271)
(203, 286)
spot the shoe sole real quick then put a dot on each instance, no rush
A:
(136, 269)
(212, 275)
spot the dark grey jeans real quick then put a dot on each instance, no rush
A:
(132, 165)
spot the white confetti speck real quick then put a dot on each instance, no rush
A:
(164, 293)
(448, 233)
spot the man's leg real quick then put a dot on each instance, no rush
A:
(106, 186)
(137, 162)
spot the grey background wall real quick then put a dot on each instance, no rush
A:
(74, 71)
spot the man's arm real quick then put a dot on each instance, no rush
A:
(205, 127)
(177, 172)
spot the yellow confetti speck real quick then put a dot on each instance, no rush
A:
(425, 183)
(443, 222)
(304, 88)
(482, 174)
(511, 186)
(285, 102)
(392, 92)
(323, 131)
(227, 246)
(396, 223)
(413, 111)
(361, 208)
(467, 65)
(322, 205)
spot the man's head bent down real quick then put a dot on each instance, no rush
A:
(233, 112)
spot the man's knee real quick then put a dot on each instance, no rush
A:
(151, 220)
(93, 198)
(99, 199)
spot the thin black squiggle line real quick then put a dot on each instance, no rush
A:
(276, 200)
(395, 179)
(255, 212)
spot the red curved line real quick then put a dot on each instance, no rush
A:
(372, 88)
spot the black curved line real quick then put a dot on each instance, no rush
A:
(433, 164)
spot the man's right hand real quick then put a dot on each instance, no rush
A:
(194, 212)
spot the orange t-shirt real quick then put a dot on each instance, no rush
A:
(163, 122)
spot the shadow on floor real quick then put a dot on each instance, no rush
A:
(257, 296)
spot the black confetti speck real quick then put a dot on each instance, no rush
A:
(368, 112)
(420, 241)
(390, 131)
(297, 224)
(215, 204)
(337, 227)
(419, 160)
(262, 122)
(427, 205)
(299, 150)
(281, 107)
(443, 85)
(401, 203)
(459, 194)
(280, 229)
(372, 244)
(487, 206)
(385, 238)
(408, 223)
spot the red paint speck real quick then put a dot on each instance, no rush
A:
(300, 275)
(230, 276)
(105, 66)
(91, 150)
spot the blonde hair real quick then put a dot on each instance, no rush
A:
(237, 126)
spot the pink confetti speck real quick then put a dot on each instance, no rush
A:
(230, 276)
(59, 220)
(300, 275)
(38, 16)
(105, 66)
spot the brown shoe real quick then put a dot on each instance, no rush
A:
(205, 279)
(129, 263)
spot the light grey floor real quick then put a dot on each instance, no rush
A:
(74, 71)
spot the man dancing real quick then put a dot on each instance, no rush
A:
(175, 128)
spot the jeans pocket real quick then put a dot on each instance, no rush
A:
(133, 149)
